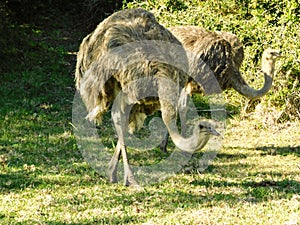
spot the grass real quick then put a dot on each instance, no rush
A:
(44, 179)
(247, 184)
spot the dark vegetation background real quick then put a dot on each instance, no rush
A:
(24, 21)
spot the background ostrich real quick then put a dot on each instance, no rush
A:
(116, 64)
(224, 54)
(236, 48)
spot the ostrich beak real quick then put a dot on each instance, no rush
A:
(277, 53)
(209, 129)
(212, 131)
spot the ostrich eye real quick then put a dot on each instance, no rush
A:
(201, 126)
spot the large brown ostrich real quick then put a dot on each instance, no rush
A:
(224, 54)
(136, 65)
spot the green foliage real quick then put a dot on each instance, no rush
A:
(259, 24)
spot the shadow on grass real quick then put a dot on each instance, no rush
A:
(286, 150)
(284, 188)
(29, 177)
(17, 181)
(168, 201)
(265, 150)
(69, 163)
(103, 220)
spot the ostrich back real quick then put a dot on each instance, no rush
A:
(221, 51)
(110, 60)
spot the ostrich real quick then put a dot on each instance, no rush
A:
(121, 60)
(224, 54)
(236, 48)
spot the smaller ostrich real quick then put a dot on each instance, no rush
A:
(223, 53)
(125, 63)
(232, 39)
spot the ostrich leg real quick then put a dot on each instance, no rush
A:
(119, 111)
(128, 174)
(113, 165)
(164, 143)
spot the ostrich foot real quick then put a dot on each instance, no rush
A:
(129, 179)
(131, 183)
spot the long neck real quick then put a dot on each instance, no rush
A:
(240, 85)
(169, 108)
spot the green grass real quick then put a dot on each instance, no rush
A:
(44, 179)
(250, 183)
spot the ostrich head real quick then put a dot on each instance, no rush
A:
(202, 132)
(205, 131)
(269, 58)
